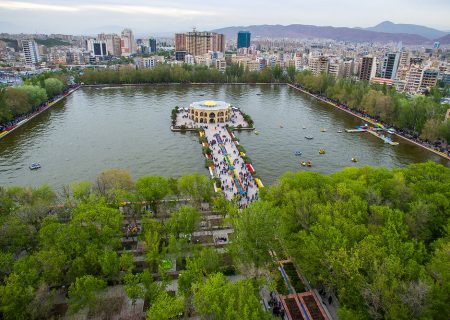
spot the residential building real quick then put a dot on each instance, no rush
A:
(127, 43)
(221, 64)
(368, 68)
(347, 69)
(335, 68)
(384, 81)
(31, 52)
(429, 79)
(148, 62)
(199, 43)
(414, 79)
(189, 59)
(298, 61)
(317, 65)
(243, 39)
(390, 65)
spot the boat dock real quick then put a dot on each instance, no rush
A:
(373, 131)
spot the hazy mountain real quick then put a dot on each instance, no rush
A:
(444, 40)
(328, 32)
(390, 27)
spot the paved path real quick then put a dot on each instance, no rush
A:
(222, 168)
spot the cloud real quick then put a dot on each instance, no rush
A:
(124, 9)
(17, 5)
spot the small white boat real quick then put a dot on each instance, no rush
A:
(35, 166)
(309, 137)
(304, 127)
(323, 130)
(339, 131)
(256, 132)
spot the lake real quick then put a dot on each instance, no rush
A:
(129, 127)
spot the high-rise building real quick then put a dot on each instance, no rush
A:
(31, 52)
(112, 43)
(152, 45)
(98, 48)
(368, 68)
(390, 65)
(243, 39)
(198, 43)
(127, 43)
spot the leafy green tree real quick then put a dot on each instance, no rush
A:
(182, 222)
(152, 189)
(84, 292)
(113, 179)
(16, 101)
(254, 234)
(197, 186)
(126, 262)
(166, 307)
(110, 264)
(133, 287)
(53, 87)
(35, 94)
(219, 299)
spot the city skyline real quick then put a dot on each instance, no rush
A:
(174, 15)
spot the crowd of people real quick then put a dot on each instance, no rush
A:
(235, 178)
(439, 146)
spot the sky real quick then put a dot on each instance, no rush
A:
(159, 17)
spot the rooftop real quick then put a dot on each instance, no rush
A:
(210, 105)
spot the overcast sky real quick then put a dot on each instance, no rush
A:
(158, 16)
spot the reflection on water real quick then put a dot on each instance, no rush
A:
(95, 129)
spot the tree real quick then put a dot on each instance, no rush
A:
(133, 287)
(126, 262)
(196, 186)
(182, 222)
(53, 87)
(166, 307)
(255, 234)
(114, 179)
(110, 264)
(17, 102)
(84, 292)
(432, 130)
(152, 189)
(219, 299)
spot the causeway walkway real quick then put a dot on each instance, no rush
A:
(229, 166)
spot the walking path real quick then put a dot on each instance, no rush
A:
(369, 120)
(229, 166)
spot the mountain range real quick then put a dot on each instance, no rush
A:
(384, 32)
